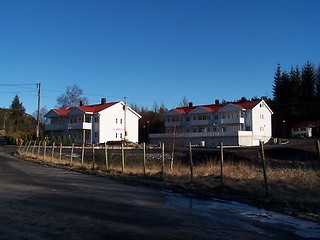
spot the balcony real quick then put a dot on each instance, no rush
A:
(201, 122)
(56, 127)
(202, 134)
(238, 120)
(172, 124)
(79, 126)
(70, 126)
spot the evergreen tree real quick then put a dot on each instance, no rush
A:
(308, 80)
(307, 92)
(318, 94)
(277, 85)
(318, 84)
(17, 114)
(294, 87)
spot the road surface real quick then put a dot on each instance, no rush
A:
(41, 202)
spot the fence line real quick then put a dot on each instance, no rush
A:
(112, 158)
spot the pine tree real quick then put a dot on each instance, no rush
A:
(17, 113)
(277, 85)
(308, 80)
(294, 87)
(318, 94)
(307, 92)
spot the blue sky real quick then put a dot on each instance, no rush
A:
(152, 50)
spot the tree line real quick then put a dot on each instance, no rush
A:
(296, 97)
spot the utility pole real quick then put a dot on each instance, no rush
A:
(38, 117)
(125, 118)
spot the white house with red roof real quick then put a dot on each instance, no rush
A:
(99, 123)
(305, 129)
(233, 124)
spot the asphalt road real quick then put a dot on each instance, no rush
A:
(41, 202)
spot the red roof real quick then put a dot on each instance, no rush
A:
(90, 108)
(96, 108)
(216, 108)
(309, 124)
(62, 111)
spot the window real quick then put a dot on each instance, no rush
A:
(216, 117)
(121, 121)
(120, 135)
(116, 135)
(188, 119)
(96, 119)
(116, 120)
(248, 128)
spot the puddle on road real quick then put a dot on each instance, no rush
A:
(242, 214)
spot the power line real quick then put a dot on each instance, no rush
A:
(17, 84)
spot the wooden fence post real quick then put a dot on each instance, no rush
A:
(82, 154)
(71, 156)
(60, 152)
(34, 146)
(318, 149)
(39, 146)
(106, 155)
(29, 143)
(52, 152)
(221, 165)
(144, 158)
(44, 150)
(191, 162)
(93, 158)
(20, 144)
(24, 147)
(162, 165)
(264, 169)
(122, 157)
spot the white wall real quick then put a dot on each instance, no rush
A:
(112, 124)
(261, 122)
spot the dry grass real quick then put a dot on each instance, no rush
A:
(290, 188)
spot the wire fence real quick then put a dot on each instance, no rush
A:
(163, 163)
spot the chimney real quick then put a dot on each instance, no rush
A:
(216, 102)
(190, 104)
(81, 103)
(103, 100)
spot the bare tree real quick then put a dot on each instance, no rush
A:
(184, 102)
(43, 112)
(71, 98)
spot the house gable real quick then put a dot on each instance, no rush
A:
(263, 104)
(173, 112)
(231, 107)
(76, 111)
(201, 110)
(52, 113)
